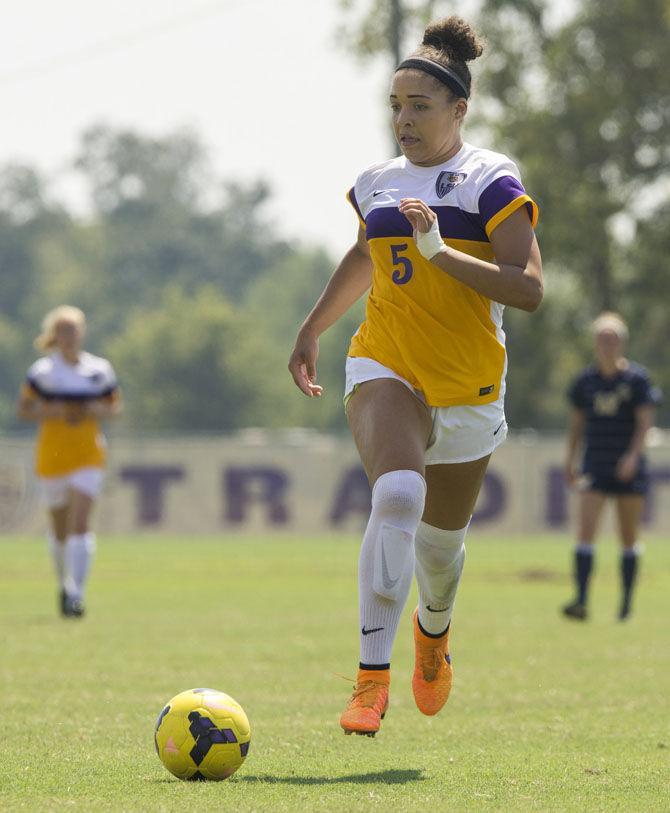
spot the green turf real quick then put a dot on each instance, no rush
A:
(545, 714)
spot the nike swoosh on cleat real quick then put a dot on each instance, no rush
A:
(374, 629)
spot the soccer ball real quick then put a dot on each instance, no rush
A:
(202, 734)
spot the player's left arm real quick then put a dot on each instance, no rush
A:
(629, 461)
(514, 279)
(106, 407)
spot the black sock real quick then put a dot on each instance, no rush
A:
(583, 567)
(629, 563)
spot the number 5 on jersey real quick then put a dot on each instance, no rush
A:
(402, 266)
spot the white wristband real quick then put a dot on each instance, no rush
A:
(430, 242)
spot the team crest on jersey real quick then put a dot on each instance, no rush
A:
(446, 181)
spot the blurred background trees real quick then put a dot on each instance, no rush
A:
(585, 109)
(196, 299)
(187, 288)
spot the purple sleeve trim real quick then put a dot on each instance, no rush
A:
(351, 196)
(498, 194)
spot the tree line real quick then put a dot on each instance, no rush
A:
(183, 294)
(195, 310)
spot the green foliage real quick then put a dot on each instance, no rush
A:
(170, 256)
(163, 266)
(13, 353)
(276, 306)
(178, 363)
(586, 109)
(167, 216)
(590, 132)
(646, 291)
(380, 27)
(541, 361)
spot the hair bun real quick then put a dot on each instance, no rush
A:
(454, 36)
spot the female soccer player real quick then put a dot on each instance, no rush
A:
(445, 240)
(612, 409)
(68, 392)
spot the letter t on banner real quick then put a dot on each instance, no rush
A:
(151, 482)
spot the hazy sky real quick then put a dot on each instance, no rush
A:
(262, 81)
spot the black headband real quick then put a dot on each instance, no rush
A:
(440, 72)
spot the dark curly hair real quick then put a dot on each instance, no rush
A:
(452, 43)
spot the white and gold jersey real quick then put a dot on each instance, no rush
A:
(444, 338)
(75, 441)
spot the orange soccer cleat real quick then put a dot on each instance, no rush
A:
(368, 703)
(431, 681)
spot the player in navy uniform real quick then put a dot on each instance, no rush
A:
(612, 409)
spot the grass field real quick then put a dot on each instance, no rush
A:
(544, 715)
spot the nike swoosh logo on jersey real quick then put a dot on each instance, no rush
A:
(374, 629)
(499, 428)
(383, 192)
(389, 583)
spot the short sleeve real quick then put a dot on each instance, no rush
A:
(576, 393)
(351, 197)
(644, 392)
(35, 384)
(111, 387)
(502, 194)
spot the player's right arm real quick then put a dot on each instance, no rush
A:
(575, 434)
(350, 281)
(31, 407)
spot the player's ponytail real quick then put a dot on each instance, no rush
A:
(454, 37)
(451, 43)
(46, 341)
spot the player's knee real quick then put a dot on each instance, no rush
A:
(439, 549)
(398, 499)
(79, 525)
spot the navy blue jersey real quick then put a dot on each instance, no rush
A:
(609, 405)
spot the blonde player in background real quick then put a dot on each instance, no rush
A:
(446, 239)
(69, 392)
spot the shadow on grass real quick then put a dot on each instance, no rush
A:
(393, 777)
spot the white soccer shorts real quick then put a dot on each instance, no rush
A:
(87, 480)
(460, 433)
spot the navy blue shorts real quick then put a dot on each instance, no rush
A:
(610, 484)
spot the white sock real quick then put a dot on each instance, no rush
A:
(440, 556)
(80, 550)
(397, 505)
(57, 551)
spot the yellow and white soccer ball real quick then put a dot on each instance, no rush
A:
(202, 734)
